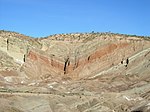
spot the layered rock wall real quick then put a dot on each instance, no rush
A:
(71, 55)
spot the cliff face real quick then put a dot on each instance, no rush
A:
(84, 57)
(71, 55)
(16, 45)
(100, 66)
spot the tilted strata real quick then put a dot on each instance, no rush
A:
(71, 55)
(80, 72)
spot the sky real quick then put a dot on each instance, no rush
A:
(40, 18)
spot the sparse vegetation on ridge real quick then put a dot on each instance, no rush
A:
(76, 72)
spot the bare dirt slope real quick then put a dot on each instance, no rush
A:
(89, 72)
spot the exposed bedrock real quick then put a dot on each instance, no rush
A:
(69, 55)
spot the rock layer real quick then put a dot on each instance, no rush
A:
(82, 72)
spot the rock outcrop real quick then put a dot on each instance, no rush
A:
(71, 55)
(84, 54)
(81, 72)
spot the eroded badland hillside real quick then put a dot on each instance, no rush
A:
(81, 72)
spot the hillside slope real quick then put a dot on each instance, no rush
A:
(82, 72)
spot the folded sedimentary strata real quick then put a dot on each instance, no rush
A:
(72, 55)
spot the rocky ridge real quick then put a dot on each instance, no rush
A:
(76, 66)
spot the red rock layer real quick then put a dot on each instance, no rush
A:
(104, 57)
